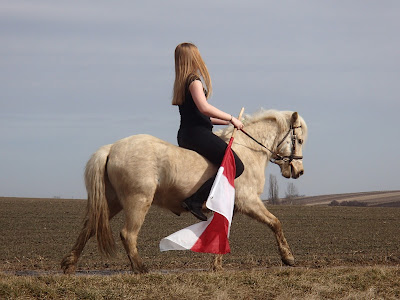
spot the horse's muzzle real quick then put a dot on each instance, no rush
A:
(296, 169)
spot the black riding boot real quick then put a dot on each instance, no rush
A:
(194, 203)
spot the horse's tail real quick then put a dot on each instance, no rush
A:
(97, 212)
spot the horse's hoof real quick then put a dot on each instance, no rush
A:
(69, 270)
(141, 270)
(289, 261)
(215, 268)
(68, 264)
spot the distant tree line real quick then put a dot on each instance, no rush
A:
(348, 203)
(273, 194)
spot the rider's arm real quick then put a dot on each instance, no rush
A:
(217, 121)
(196, 89)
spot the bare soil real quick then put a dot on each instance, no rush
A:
(341, 253)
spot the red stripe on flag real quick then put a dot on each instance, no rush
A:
(229, 164)
(214, 239)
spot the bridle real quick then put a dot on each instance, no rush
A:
(275, 155)
(293, 137)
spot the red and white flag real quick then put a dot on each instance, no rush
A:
(211, 236)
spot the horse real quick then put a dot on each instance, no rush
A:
(138, 171)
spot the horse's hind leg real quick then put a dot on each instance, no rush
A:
(257, 210)
(135, 208)
(68, 264)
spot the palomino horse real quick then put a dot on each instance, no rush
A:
(142, 170)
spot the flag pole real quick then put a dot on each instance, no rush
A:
(240, 116)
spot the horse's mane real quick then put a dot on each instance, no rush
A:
(270, 114)
(281, 117)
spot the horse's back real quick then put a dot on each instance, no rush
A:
(145, 150)
(145, 163)
(135, 155)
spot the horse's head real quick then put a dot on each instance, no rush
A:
(289, 152)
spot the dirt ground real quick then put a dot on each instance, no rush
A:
(341, 253)
(37, 233)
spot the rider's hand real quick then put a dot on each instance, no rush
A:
(237, 123)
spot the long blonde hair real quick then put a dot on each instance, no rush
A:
(188, 62)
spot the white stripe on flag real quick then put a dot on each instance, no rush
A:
(185, 238)
(222, 190)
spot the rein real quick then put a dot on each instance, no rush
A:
(262, 145)
(276, 156)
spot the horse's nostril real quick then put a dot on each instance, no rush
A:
(301, 172)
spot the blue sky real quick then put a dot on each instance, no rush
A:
(78, 75)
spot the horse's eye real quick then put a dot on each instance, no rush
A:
(300, 141)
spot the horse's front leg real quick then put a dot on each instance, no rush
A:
(217, 263)
(256, 210)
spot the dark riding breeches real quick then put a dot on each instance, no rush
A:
(207, 144)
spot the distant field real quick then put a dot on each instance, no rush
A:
(350, 252)
(376, 199)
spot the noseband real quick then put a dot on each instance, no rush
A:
(275, 155)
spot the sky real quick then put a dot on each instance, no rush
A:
(78, 75)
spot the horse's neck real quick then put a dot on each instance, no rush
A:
(265, 132)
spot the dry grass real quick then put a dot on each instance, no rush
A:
(341, 252)
(285, 283)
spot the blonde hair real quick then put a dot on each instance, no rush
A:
(188, 62)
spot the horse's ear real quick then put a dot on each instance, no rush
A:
(295, 117)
